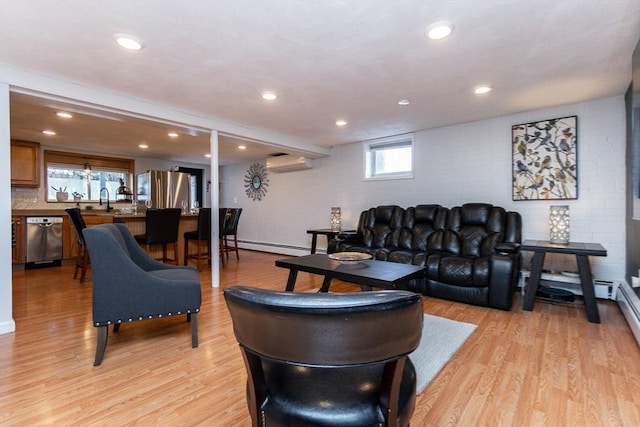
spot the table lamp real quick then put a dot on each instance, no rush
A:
(336, 219)
(559, 224)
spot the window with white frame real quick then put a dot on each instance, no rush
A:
(83, 176)
(389, 158)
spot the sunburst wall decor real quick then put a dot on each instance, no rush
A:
(256, 182)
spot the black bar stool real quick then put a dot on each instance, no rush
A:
(162, 229)
(201, 235)
(231, 229)
(82, 258)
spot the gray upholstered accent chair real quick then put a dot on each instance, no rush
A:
(129, 285)
(327, 359)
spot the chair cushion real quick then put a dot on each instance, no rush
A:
(175, 274)
(347, 397)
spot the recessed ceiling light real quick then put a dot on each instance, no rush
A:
(242, 147)
(439, 30)
(404, 102)
(173, 134)
(269, 96)
(143, 146)
(64, 114)
(208, 156)
(481, 90)
(128, 42)
(48, 132)
(341, 122)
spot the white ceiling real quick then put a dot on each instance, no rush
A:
(327, 60)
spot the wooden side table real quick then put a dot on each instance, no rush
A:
(582, 251)
(331, 234)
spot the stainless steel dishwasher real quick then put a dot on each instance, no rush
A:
(43, 245)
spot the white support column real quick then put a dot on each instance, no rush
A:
(214, 191)
(7, 324)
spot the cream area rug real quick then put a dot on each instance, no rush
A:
(441, 338)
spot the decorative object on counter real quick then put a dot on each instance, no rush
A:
(256, 182)
(61, 193)
(124, 193)
(545, 160)
(336, 219)
(195, 207)
(559, 224)
(87, 168)
(77, 196)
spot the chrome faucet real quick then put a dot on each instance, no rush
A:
(108, 206)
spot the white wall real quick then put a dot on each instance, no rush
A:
(454, 165)
(6, 299)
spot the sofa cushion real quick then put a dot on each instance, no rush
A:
(464, 271)
(382, 226)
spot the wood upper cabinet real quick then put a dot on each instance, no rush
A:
(25, 164)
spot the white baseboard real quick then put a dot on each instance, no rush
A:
(7, 327)
(630, 306)
(274, 248)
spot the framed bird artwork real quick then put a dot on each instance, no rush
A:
(545, 164)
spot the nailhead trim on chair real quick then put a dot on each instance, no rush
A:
(111, 322)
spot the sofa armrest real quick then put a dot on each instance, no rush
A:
(349, 236)
(502, 286)
(507, 248)
(343, 237)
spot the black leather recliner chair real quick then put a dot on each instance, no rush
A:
(470, 252)
(327, 359)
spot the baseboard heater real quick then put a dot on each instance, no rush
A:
(274, 248)
(630, 306)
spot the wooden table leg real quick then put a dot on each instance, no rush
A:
(534, 280)
(588, 293)
(314, 242)
(291, 281)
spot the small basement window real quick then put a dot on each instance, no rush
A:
(389, 158)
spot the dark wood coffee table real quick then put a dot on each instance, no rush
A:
(368, 273)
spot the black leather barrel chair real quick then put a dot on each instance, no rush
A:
(327, 359)
(470, 252)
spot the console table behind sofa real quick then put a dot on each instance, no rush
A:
(470, 252)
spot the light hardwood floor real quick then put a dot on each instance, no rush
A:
(549, 367)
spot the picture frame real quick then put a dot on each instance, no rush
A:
(545, 159)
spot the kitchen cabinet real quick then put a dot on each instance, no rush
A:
(69, 237)
(25, 164)
(17, 252)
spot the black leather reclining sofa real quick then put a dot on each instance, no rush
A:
(470, 252)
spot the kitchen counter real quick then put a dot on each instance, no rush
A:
(90, 212)
(134, 222)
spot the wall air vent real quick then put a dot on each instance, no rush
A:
(288, 163)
